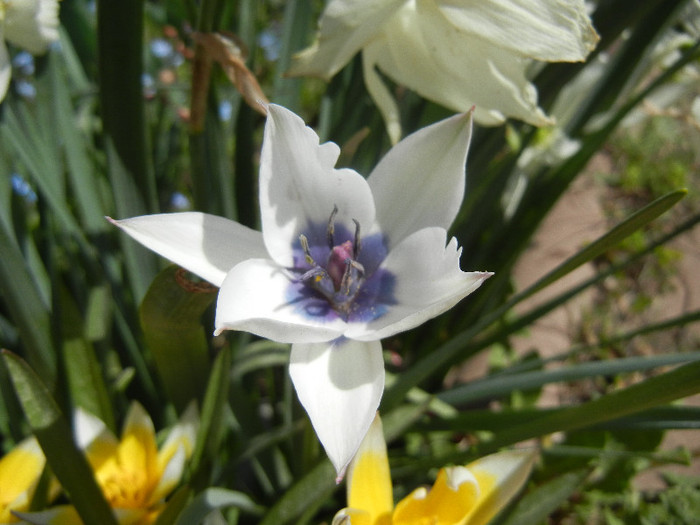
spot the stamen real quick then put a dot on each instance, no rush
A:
(358, 244)
(307, 254)
(331, 227)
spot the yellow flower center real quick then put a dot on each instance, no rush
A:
(127, 478)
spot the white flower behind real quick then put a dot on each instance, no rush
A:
(29, 24)
(457, 53)
(341, 262)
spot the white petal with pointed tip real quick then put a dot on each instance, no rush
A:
(426, 169)
(255, 297)
(340, 385)
(206, 245)
(344, 28)
(428, 283)
(299, 186)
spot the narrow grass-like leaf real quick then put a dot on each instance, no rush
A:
(171, 315)
(29, 313)
(501, 385)
(536, 506)
(53, 432)
(81, 172)
(212, 421)
(217, 498)
(655, 391)
(318, 484)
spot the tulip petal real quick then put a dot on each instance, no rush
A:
(58, 515)
(169, 476)
(340, 385)
(420, 182)
(539, 29)
(369, 480)
(500, 477)
(453, 496)
(137, 449)
(258, 296)
(428, 283)
(94, 438)
(299, 187)
(20, 469)
(344, 28)
(206, 245)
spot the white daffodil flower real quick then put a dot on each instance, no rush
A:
(134, 475)
(457, 53)
(29, 24)
(461, 495)
(341, 262)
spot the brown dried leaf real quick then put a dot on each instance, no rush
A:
(229, 55)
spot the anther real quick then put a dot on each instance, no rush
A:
(307, 254)
(357, 244)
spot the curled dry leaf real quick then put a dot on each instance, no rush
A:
(224, 50)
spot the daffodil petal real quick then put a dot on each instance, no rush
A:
(206, 245)
(500, 477)
(369, 480)
(299, 187)
(419, 49)
(428, 283)
(340, 385)
(539, 29)
(344, 27)
(260, 297)
(420, 182)
(31, 25)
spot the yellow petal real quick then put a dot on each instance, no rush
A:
(500, 477)
(353, 517)
(19, 471)
(138, 449)
(369, 480)
(454, 494)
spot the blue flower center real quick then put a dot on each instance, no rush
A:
(339, 274)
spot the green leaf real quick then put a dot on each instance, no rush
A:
(655, 391)
(28, 311)
(212, 421)
(170, 316)
(504, 384)
(53, 432)
(317, 485)
(538, 504)
(217, 498)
